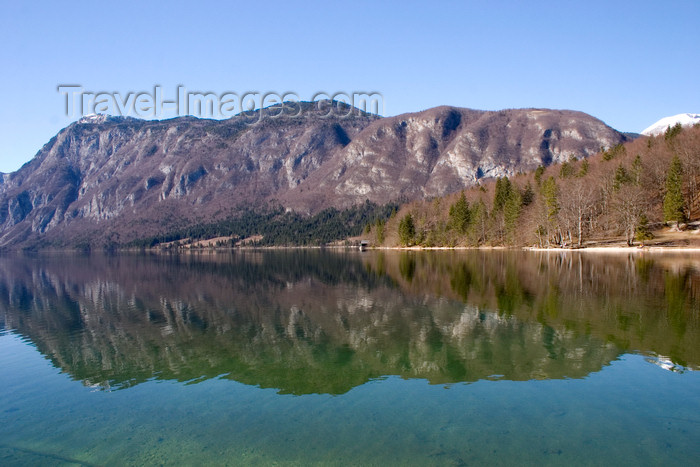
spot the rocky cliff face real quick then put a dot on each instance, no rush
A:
(445, 149)
(118, 179)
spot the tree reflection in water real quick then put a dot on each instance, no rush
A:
(315, 321)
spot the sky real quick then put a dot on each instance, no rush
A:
(628, 63)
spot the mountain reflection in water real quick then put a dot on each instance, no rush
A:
(316, 321)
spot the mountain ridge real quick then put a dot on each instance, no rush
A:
(120, 178)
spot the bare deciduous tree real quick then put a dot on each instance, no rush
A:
(688, 151)
(577, 207)
(629, 204)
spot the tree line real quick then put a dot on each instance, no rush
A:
(279, 227)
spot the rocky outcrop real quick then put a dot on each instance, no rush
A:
(445, 149)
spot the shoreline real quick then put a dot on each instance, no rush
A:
(590, 249)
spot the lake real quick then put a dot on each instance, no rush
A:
(318, 357)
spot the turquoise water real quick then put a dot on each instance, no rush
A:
(347, 359)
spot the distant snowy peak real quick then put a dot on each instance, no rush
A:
(661, 126)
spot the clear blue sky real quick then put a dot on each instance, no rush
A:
(628, 63)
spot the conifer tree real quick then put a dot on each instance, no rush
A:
(549, 192)
(479, 218)
(672, 132)
(621, 177)
(538, 174)
(642, 232)
(511, 212)
(528, 194)
(583, 170)
(566, 170)
(379, 227)
(407, 230)
(459, 214)
(503, 190)
(673, 199)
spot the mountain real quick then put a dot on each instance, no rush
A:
(445, 149)
(663, 124)
(113, 180)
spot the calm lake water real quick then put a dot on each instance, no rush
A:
(348, 358)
